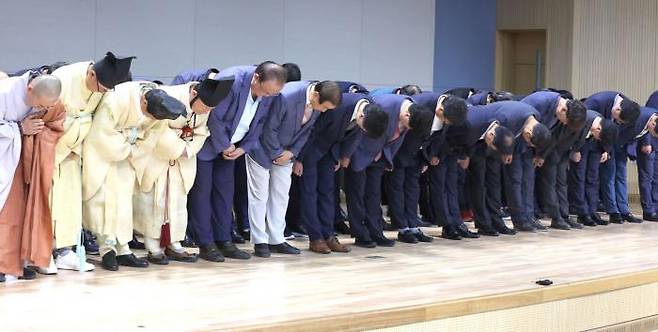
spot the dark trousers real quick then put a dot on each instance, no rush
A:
(519, 186)
(317, 198)
(363, 192)
(584, 180)
(445, 191)
(403, 192)
(210, 201)
(240, 202)
(424, 197)
(614, 192)
(483, 180)
(464, 195)
(647, 172)
(338, 180)
(293, 212)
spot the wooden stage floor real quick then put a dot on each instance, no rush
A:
(238, 294)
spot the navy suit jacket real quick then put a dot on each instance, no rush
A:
(345, 87)
(189, 76)
(368, 148)
(629, 135)
(224, 118)
(478, 98)
(478, 120)
(602, 103)
(513, 114)
(283, 129)
(330, 133)
(545, 102)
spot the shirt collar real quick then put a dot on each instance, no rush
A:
(491, 125)
(357, 106)
(646, 126)
(308, 92)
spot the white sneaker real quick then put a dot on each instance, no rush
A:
(70, 261)
(51, 269)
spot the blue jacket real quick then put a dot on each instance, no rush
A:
(629, 135)
(283, 129)
(545, 102)
(189, 76)
(346, 85)
(330, 132)
(224, 118)
(368, 148)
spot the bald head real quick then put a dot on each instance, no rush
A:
(3, 75)
(46, 87)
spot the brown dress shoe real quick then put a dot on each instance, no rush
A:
(184, 256)
(319, 246)
(336, 246)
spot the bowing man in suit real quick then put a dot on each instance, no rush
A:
(366, 166)
(624, 112)
(235, 126)
(564, 118)
(270, 165)
(331, 140)
(596, 138)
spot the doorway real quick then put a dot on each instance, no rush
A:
(520, 60)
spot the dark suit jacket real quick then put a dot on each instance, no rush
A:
(368, 148)
(331, 129)
(224, 118)
(283, 129)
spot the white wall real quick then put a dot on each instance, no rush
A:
(375, 42)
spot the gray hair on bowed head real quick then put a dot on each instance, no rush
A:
(47, 86)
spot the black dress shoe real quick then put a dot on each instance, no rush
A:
(135, 244)
(560, 224)
(28, 274)
(387, 226)
(210, 253)
(488, 231)
(363, 243)
(538, 226)
(342, 228)
(450, 233)
(614, 218)
(631, 219)
(463, 231)
(109, 261)
(262, 250)
(246, 234)
(421, 237)
(586, 220)
(132, 261)
(572, 224)
(407, 237)
(525, 227)
(160, 259)
(284, 248)
(229, 250)
(650, 216)
(236, 237)
(188, 242)
(500, 227)
(384, 242)
(91, 247)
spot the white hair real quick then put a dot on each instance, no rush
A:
(47, 86)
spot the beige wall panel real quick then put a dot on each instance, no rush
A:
(615, 47)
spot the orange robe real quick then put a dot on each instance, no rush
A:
(28, 235)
